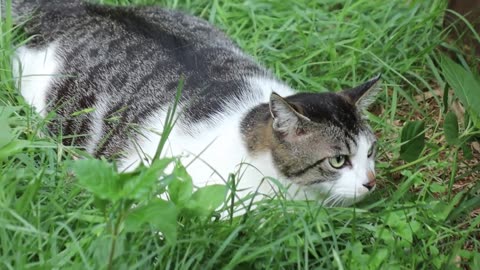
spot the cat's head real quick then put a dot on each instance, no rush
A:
(323, 144)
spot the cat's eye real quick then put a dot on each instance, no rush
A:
(371, 151)
(338, 161)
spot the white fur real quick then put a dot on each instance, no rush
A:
(218, 149)
(97, 121)
(350, 185)
(34, 72)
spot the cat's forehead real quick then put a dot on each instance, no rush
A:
(352, 144)
(329, 109)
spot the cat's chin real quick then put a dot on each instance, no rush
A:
(336, 196)
(329, 196)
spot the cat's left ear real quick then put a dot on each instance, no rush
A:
(363, 95)
(286, 120)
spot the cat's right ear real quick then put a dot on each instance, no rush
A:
(286, 120)
(363, 95)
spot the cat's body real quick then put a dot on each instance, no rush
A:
(126, 65)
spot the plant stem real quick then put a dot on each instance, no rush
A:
(453, 173)
(114, 239)
(420, 160)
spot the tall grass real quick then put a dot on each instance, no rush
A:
(416, 219)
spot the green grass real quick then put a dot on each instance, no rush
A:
(416, 219)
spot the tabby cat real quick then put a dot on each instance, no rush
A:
(121, 67)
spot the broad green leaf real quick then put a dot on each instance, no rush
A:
(7, 111)
(464, 83)
(12, 148)
(413, 140)
(457, 210)
(442, 210)
(180, 189)
(437, 188)
(386, 235)
(206, 199)
(138, 186)
(476, 120)
(101, 247)
(101, 204)
(396, 220)
(354, 255)
(378, 257)
(29, 194)
(6, 135)
(405, 232)
(467, 151)
(450, 128)
(160, 214)
(98, 177)
(415, 226)
(476, 260)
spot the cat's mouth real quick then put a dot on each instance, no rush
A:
(331, 194)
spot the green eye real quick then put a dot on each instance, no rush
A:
(338, 161)
(370, 151)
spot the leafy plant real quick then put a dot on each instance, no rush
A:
(413, 140)
(133, 201)
(9, 142)
(450, 127)
(466, 86)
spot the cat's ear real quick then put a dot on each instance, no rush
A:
(363, 95)
(286, 120)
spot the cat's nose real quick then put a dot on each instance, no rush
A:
(371, 181)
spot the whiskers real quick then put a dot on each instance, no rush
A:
(339, 199)
(334, 200)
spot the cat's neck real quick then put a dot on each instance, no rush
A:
(256, 129)
(256, 125)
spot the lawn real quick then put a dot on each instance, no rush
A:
(57, 212)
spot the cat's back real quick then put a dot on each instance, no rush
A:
(53, 19)
(126, 63)
(168, 44)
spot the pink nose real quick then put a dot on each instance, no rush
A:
(371, 181)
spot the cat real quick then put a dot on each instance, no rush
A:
(121, 67)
